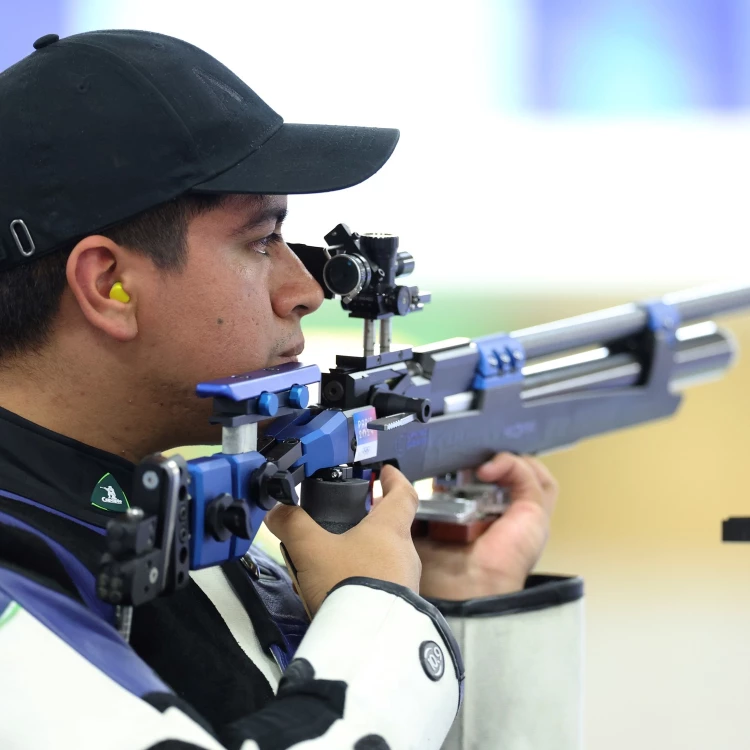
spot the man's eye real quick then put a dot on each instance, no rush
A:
(261, 246)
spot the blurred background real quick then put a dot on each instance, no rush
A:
(557, 156)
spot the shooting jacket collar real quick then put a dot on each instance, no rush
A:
(56, 471)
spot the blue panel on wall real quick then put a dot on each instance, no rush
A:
(628, 57)
(23, 23)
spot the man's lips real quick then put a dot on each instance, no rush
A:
(294, 351)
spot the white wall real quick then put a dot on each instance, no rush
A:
(482, 198)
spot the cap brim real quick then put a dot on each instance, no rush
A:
(307, 159)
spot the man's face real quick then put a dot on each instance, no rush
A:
(235, 307)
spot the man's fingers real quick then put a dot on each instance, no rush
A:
(543, 474)
(546, 480)
(399, 502)
(526, 477)
(512, 472)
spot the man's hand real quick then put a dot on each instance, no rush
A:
(380, 546)
(499, 561)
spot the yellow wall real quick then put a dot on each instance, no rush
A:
(668, 612)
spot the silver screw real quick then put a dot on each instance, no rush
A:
(150, 480)
(124, 620)
(153, 575)
(134, 514)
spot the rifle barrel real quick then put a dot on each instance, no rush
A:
(605, 326)
(694, 359)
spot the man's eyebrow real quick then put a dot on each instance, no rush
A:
(272, 213)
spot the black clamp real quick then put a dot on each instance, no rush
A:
(276, 481)
(148, 547)
(272, 482)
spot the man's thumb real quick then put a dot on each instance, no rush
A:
(399, 502)
(391, 478)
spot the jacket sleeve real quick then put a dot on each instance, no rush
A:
(524, 656)
(378, 665)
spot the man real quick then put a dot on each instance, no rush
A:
(142, 196)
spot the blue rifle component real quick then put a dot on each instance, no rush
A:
(254, 384)
(299, 396)
(325, 438)
(268, 404)
(501, 360)
(209, 478)
(230, 473)
(662, 317)
(325, 442)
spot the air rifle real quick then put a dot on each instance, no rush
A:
(433, 411)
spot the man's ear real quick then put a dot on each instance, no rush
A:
(94, 266)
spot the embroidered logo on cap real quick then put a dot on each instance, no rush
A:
(108, 495)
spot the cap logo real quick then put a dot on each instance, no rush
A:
(108, 495)
(24, 243)
(209, 79)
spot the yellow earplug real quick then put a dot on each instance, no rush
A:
(118, 293)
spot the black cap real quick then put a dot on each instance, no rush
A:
(97, 127)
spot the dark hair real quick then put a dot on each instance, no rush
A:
(30, 295)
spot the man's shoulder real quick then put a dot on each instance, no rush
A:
(53, 529)
(50, 551)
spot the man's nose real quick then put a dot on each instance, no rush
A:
(297, 291)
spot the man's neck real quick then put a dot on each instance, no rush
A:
(85, 404)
